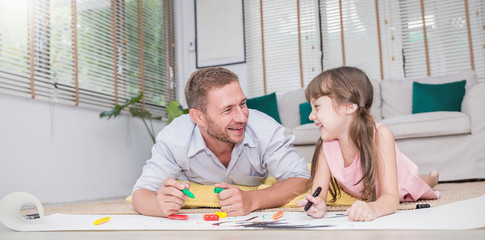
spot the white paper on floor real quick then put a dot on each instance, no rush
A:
(467, 214)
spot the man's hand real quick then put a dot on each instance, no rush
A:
(361, 211)
(318, 208)
(170, 197)
(233, 200)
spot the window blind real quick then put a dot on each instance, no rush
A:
(413, 38)
(476, 9)
(391, 39)
(14, 48)
(361, 39)
(88, 53)
(353, 33)
(280, 34)
(351, 36)
(450, 34)
(331, 34)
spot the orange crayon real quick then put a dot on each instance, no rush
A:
(278, 215)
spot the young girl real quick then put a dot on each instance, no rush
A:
(356, 153)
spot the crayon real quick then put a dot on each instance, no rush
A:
(178, 217)
(211, 217)
(278, 215)
(102, 220)
(188, 193)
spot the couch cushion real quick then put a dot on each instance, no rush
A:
(305, 110)
(306, 134)
(376, 103)
(438, 97)
(397, 93)
(289, 107)
(429, 124)
(267, 104)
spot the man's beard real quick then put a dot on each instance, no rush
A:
(216, 133)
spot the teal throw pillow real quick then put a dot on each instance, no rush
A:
(266, 104)
(438, 97)
(305, 110)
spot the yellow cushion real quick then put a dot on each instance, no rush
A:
(205, 196)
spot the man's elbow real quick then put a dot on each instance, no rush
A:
(141, 200)
(136, 201)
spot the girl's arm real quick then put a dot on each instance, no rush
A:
(321, 179)
(388, 200)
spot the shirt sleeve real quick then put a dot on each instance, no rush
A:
(161, 166)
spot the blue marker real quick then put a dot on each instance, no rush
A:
(315, 194)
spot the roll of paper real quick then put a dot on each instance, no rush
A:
(10, 212)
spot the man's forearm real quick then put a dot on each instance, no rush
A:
(145, 202)
(278, 194)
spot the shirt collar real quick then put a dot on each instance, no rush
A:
(197, 142)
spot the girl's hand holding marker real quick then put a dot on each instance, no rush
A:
(313, 205)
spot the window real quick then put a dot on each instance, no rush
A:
(349, 35)
(446, 45)
(87, 52)
(385, 38)
(282, 45)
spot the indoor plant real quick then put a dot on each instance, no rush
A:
(174, 110)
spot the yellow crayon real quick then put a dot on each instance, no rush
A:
(221, 214)
(102, 220)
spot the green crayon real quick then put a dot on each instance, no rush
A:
(188, 193)
(218, 190)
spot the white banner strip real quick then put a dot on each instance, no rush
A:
(467, 214)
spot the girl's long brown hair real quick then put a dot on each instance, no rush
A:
(349, 85)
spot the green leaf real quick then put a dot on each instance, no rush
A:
(174, 110)
(134, 100)
(141, 113)
(115, 111)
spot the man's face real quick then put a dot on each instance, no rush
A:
(226, 113)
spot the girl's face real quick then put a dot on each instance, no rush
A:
(329, 117)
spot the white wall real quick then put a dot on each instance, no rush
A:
(68, 153)
(185, 38)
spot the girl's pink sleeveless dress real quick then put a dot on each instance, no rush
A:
(411, 186)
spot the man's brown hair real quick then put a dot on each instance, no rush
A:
(203, 80)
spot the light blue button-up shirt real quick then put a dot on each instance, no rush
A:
(181, 153)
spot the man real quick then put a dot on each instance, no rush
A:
(220, 142)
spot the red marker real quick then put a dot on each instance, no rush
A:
(178, 217)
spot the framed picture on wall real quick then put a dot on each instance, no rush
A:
(219, 31)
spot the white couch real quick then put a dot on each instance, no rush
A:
(451, 142)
